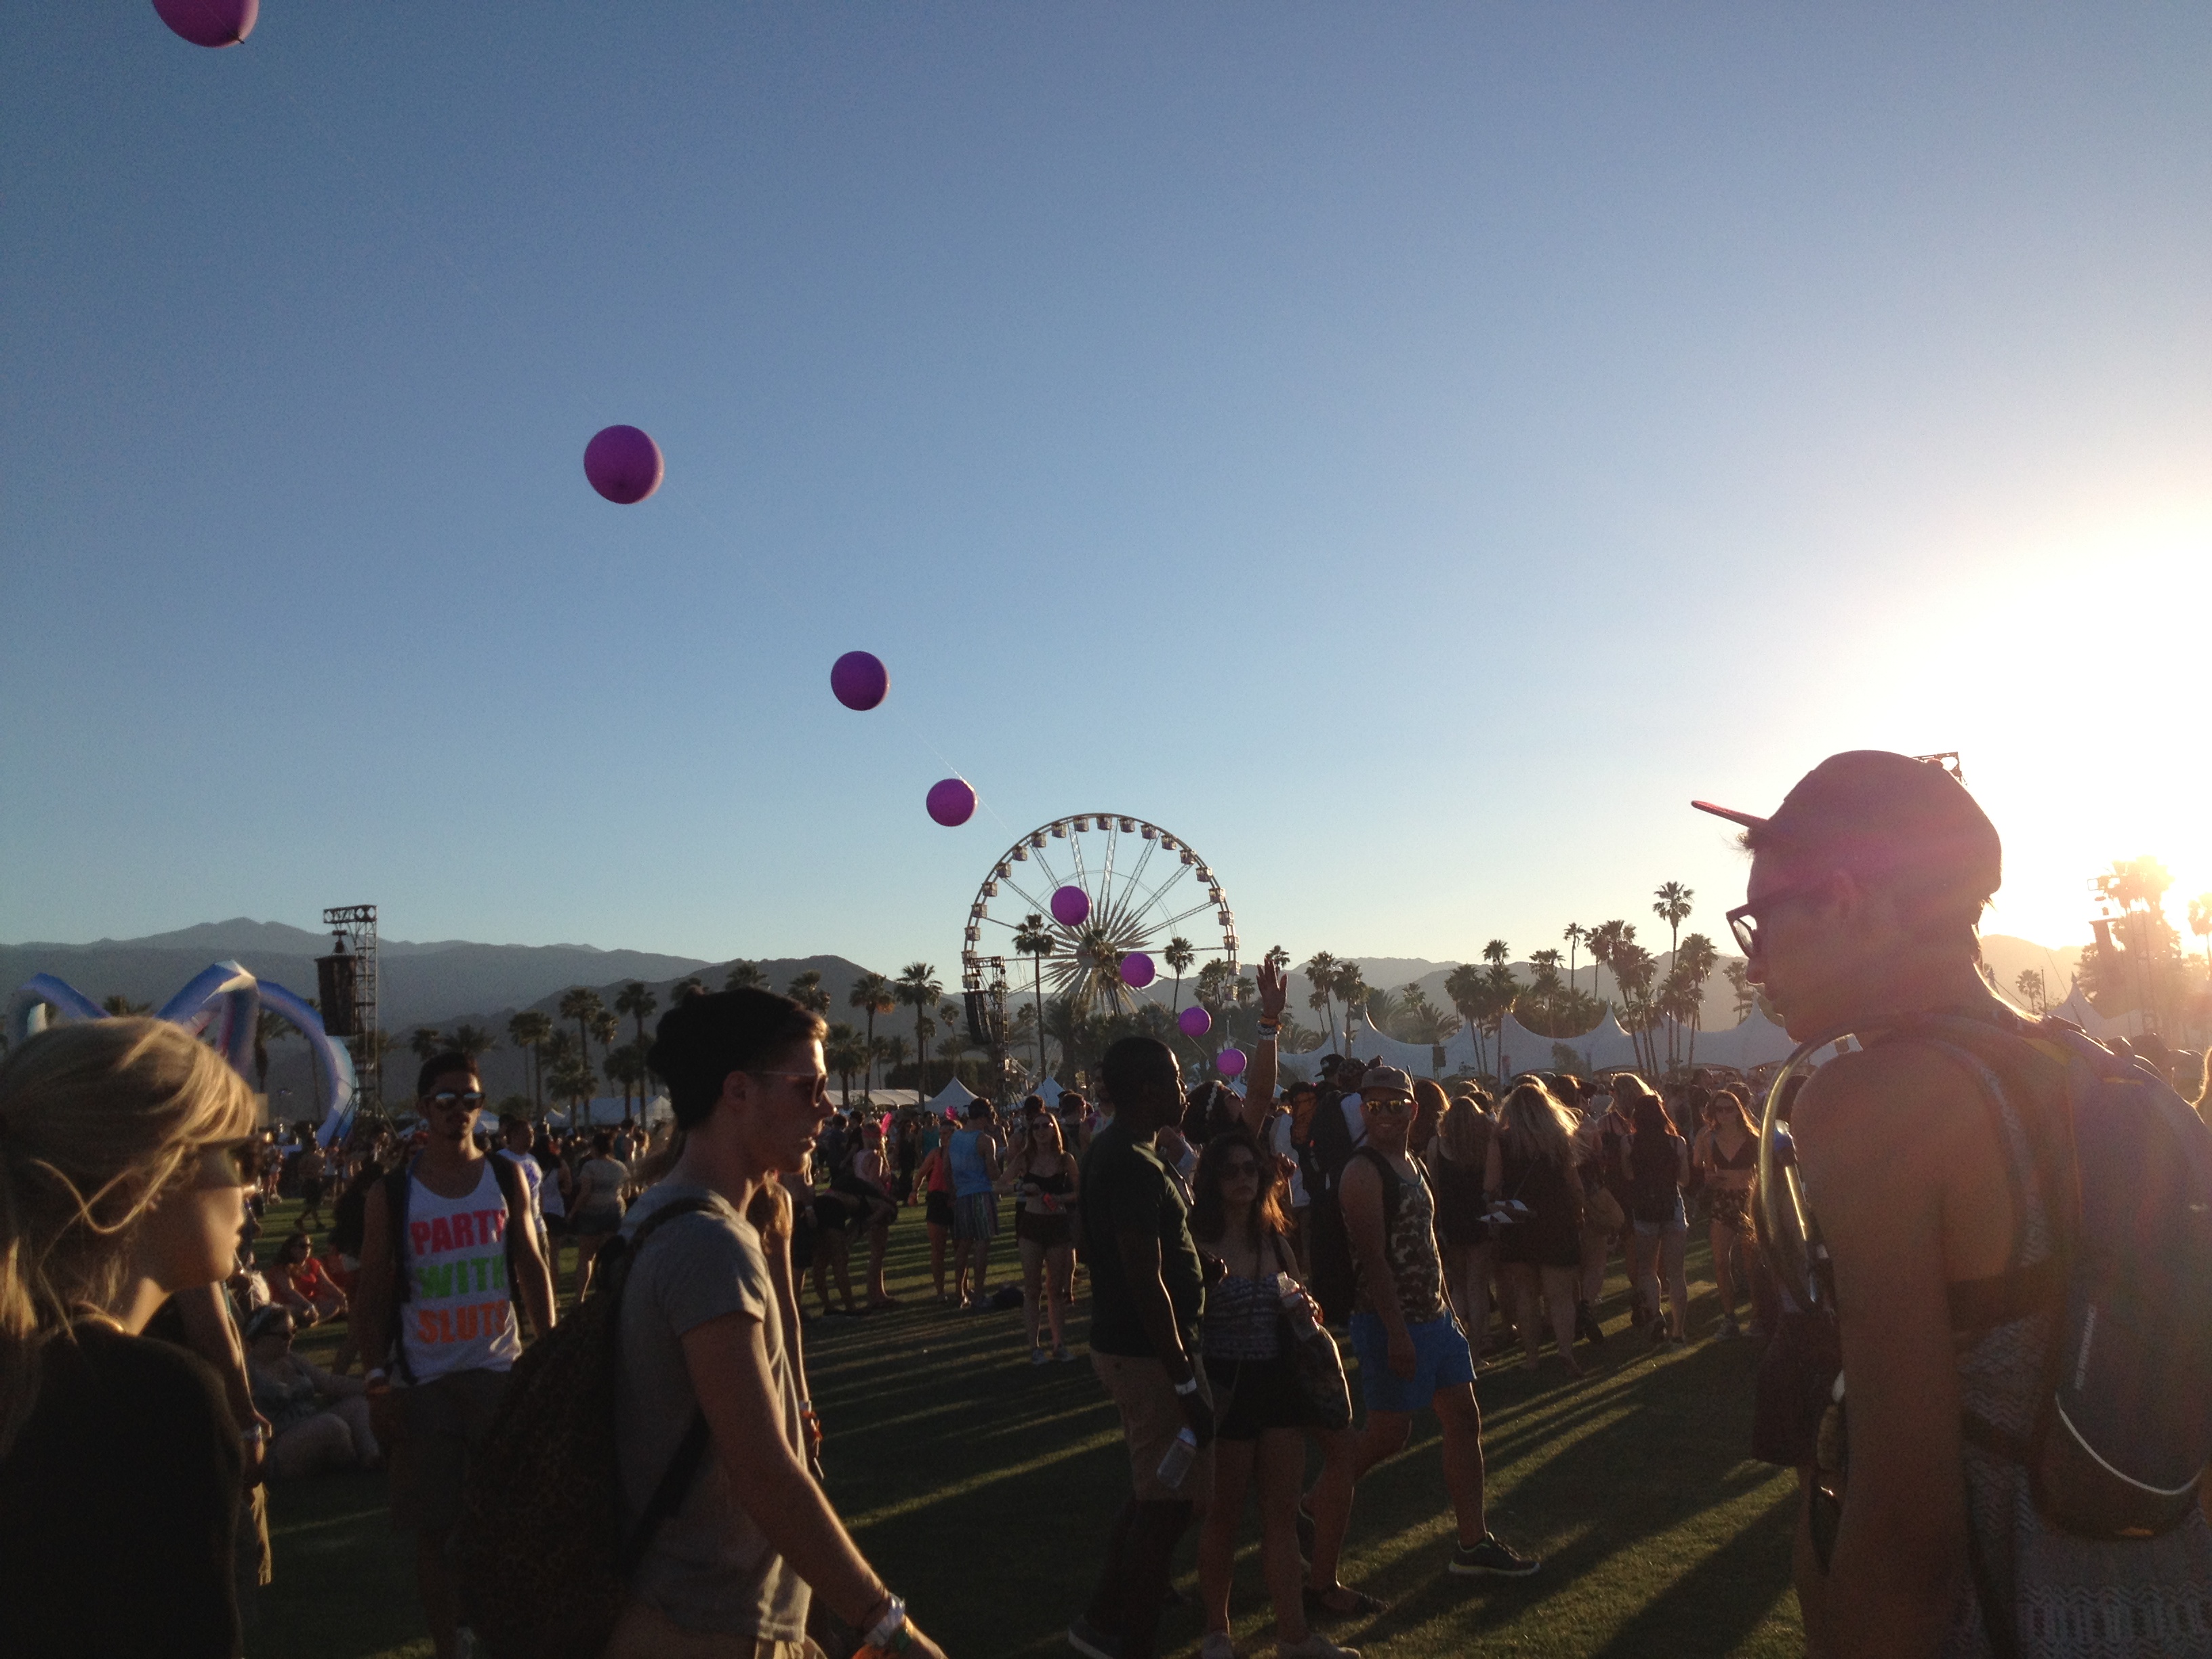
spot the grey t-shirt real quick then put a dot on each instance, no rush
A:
(707, 1567)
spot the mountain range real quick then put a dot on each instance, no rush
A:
(445, 982)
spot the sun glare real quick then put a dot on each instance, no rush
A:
(2073, 683)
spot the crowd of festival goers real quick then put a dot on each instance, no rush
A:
(149, 1384)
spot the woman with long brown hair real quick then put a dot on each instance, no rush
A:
(1656, 1162)
(1728, 1151)
(1457, 1159)
(126, 1151)
(1237, 1218)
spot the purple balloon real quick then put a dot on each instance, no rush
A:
(1137, 970)
(1229, 1062)
(859, 680)
(210, 22)
(624, 465)
(1071, 906)
(1195, 1021)
(951, 802)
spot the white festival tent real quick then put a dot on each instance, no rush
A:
(1757, 1042)
(952, 1099)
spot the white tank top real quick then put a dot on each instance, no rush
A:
(457, 1316)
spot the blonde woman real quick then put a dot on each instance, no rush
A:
(1531, 1163)
(126, 1151)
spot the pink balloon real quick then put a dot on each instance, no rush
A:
(624, 465)
(1195, 1021)
(1137, 970)
(1229, 1062)
(210, 22)
(1071, 907)
(951, 802)
(859, 680)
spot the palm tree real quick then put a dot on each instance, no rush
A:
(689, 986)
(606, 1026)
(1034, 941)
(845, 1052)
(120, 1007)
(872, 995)
(1574, 935)
(1178, 956)
(1739, 976)
(529, 1029)
(743, 976)
(426, 1041)
(1351, 991)
(624, 1067)
(1694, 960)
(917, 988)
(1320, 971)
(473, 1040)
(571, 1080)
(806, 991)
(1673, 908)
(891, 1051)
(1464, 986)
(583, 1005)
(636, 1000)
(2200, 923)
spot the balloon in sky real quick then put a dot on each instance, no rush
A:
(859, 680)
(1071, 907)
(1229, 1062)
(624, 465)
(210, 22)
(1137, 970)
(951, 802)
(1195, 1021)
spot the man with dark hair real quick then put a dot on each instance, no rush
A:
(438, 1255)
(1866, 887)
(711, 1364)
(1147, 1293)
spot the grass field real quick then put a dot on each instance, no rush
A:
(981, 1487)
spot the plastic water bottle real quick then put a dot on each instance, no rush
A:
(1296, 1306)
(1176, 1464)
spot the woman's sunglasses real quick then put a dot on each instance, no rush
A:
(231, 1164)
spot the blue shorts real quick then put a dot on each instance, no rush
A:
(1441, 1360)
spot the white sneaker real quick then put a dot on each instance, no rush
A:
(1039, 1357)
(1216, 1645)
(1315, 1646)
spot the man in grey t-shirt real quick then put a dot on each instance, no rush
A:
(704, 1332)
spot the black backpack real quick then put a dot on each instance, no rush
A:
(542, 1555)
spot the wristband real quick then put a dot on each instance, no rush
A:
(889, 1633)
(1187, 1387)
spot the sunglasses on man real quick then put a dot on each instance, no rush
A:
(469, 1100)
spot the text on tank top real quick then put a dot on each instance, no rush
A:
(458, 1316)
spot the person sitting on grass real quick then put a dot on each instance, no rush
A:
(298, 1283)
(1412, 1351)
(320, 1420)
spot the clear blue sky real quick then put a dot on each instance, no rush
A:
(1407, 451)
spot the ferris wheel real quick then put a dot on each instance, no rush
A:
(1142, 888)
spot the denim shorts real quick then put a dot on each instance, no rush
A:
(1441, 1360)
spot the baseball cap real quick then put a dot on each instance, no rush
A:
(1883, 814)
(1384, 1080)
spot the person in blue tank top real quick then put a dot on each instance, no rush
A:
(974, 1156)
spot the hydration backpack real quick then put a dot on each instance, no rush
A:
(2124, 1431)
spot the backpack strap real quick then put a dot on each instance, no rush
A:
(1392, 1181)
(396, 1184)
(675, 1482)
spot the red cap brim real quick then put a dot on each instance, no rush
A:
(1747, 820)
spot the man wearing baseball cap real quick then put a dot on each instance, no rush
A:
(1866, 888)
